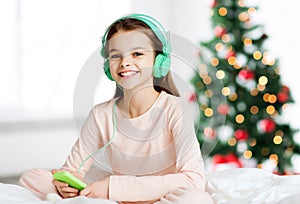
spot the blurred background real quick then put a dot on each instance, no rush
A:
(44, 45)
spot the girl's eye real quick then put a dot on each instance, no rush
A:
(115, 56)
(136, 54)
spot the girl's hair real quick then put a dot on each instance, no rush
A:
(129, 24)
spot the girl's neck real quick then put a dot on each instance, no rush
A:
(137, 102)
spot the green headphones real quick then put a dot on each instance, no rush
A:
(162, 61)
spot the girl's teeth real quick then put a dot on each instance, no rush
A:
(125, 74)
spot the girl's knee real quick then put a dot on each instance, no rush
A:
(38, 181)
(34, 175)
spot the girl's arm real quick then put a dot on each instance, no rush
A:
(189, 165)
(87, 143)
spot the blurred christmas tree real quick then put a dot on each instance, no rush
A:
(255, 97)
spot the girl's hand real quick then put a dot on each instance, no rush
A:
(63, 188)
(98, 189)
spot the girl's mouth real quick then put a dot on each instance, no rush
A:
(127, 73)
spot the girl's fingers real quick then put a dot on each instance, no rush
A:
(90, 195)
(54, 171)
(69, 195)
(64, 190)
(59, 184)
(84, 192)
(69, 190)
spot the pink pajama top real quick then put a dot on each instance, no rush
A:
(147, 156)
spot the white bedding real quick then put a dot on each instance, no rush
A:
(250, 185)
(14, 194)
(226, 187)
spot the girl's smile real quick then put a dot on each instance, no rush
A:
(127, 73)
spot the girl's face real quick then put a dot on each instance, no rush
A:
(131, 58)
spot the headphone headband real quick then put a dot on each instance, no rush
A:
(154, 25)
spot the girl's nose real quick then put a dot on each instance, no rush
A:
(125, 65)
(126, 61)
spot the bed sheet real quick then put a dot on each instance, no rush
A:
(251, 185)
(232, 186)
(14, 194)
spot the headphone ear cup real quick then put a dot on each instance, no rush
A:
(161, 66)
(102, 51)
(107, 70)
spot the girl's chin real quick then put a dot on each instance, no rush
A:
(134, 86)
(128, 87)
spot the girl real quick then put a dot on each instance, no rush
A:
(142, 141)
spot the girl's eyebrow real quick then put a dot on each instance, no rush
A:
(113, 50)
(140, 48)
(135, 48)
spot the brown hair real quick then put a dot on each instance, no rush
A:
(128, 24)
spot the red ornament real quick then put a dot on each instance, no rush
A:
(214, 3)
(267, 125)
(193, 97)
(282, 97)
(226, 161)
(285, 89)
(219, 31)
(218, 158)
(230, 54)
(210, 133)
(246, 74)
(241, 135)
(223, 109)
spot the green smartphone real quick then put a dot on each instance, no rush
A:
(70, 179)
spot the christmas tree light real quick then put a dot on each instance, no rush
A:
(255, 95)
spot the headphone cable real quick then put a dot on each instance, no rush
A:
(107, 144)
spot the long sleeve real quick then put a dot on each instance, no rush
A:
(87, 143)
(189, 170)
